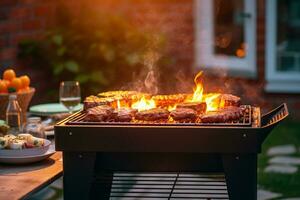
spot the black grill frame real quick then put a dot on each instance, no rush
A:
(89, 151)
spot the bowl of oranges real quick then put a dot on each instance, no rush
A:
(12, 84)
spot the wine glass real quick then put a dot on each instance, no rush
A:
(69, 94)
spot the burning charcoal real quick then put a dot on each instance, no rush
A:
(184, 114)
(223, 115)
(198, 107)
(168, 100)
(154, 114)
(124, 114)
(93, 101)
(229, 100)
(98, 113)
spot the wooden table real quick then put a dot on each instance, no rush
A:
(18, 182)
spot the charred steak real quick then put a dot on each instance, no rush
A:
(93, 101)
(154, 114)
(124, 114)
(227, 114)
(198, 107)
(229, 100)
(98, 113)
(183, 114)
(168, 100)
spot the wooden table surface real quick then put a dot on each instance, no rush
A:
(18, 182)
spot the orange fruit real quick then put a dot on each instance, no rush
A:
(25, 81)
(9, 74)
(25, 89)
(6, 82)
(16, 84)
(3, 87)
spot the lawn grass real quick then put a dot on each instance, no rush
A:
(289, 185)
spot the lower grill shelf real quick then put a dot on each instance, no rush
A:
(129, 186)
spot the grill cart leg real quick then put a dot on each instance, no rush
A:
(241, 176)
(78, 174)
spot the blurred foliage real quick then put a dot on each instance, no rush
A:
(101, 51)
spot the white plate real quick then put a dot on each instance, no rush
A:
(51, 109)
(26, 152)
(26, 159)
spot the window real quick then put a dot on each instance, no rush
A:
(225, 35)
(283, 46)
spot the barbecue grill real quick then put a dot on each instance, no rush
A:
(142, 160)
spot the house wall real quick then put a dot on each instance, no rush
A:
(20, 19)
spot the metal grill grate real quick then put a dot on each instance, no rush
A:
(246, 120)
(128, 186)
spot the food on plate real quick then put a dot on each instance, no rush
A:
(11, 83)
(226, 114)
(3, 127)
(154, 114)
(16, 144)
(3, 143)
(184, 114)
(99, 113)
(21, 141)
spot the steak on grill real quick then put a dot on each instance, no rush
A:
(229, 100)
(227, 114)
(93, 101)
(169, 100)
(184, 114)
(124, 114)
(99, 113)
(154, 114)
(123, 95)
(198, 107)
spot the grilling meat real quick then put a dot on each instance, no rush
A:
(184, 114)
(124, 114)
(229, 100)
(155, 114)
(168, 100)
(227, 114)
(93, 101)
(198, 107)
(99, 113)
(125, 96)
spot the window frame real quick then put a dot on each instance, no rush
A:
(277, 81)
(204, 55)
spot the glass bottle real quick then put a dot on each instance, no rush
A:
(14, 115)
(34, 127)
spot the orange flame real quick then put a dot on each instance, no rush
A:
(212, 101)
(118, 104)
(144, 104)
(198, 91)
